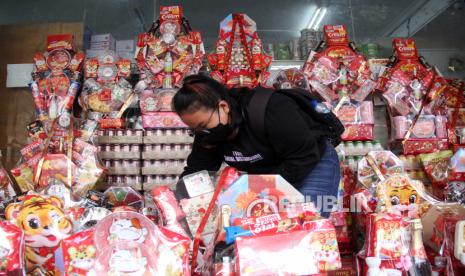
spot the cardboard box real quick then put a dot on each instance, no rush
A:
(125, 45)
(103, 45)
(126, 55)
(94, 53)
(102, 38)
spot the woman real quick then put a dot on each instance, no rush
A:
(218, 118)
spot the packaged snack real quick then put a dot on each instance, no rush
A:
(162, 120)
(436, 166)
(258, 195)
(291, 78)
(79, 253)
(198, 183)
(123, 196)
(167, 204)
(195, 208)
(376, 166)
(166, 54)
(265, 225)
(11, 249)
(44, 225)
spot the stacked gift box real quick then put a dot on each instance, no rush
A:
(120, 152)
(164, 155)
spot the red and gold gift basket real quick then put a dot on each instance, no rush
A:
(342, 78)
(264, 226)
(62, 159)
(239, 59)
(56, 79)
(106, 92)
(411, 88)
(165, 54)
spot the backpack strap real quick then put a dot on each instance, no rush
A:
(256, 110)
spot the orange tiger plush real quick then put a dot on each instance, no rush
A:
(44, 225)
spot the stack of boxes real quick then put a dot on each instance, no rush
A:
(120, 152)
(100, 43)
(105, 42)
(164, 155)
(309, 40)
(125, 49)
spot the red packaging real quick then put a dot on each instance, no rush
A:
(301, 252)
(162, 120)
(11, 249)
(405, 48)
(289, 253)
(111, 123)
(270, 224)
(79, 253)
(170, 13)
(44, 224)
(418, 146)
(60, 41)
(384, 236)
(53, 167)
(358, 132)
(166, 202)
(436, 166)
(336, 34)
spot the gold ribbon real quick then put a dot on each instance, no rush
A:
(44, 152)
(375, 168)
(125, 105)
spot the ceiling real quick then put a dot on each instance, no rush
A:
(277, 20)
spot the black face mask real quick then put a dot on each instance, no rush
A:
(216, 135)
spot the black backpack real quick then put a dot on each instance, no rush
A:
(330, 126)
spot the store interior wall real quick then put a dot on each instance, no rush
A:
(441, 39)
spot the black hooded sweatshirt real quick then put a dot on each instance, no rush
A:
(290, 148)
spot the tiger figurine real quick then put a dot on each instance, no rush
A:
(44, 225)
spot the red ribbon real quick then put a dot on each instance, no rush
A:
(228, 176)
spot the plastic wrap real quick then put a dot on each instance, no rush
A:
(413, 91)
(302, 252)
(436, 166)
(106, 93)
(376, 166)
(341, 77)
(44, 225)
(128, 242)
(291, 78)
(239, 59)
(393, 246)
(55, 79)
(79, 253)
(7, 190)
(165, 55)
(11, 249)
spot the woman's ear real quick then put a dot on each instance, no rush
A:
(224, 105)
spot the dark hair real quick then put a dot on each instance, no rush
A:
(199, 91)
